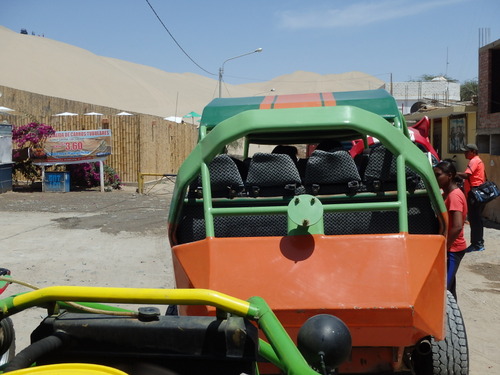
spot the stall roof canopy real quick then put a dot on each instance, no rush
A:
(379, 102)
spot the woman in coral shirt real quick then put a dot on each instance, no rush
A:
(456, 204)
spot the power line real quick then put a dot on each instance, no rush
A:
(178, 45)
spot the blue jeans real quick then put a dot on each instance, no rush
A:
(453, 261)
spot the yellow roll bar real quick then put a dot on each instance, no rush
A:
(130, 295)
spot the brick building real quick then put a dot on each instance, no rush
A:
(488, 127)
(488, 124)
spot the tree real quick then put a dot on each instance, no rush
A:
(430, 77)
(468, 90)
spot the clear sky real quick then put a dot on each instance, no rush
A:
(407, 38)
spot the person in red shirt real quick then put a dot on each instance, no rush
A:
(474, 176)
(456, 205)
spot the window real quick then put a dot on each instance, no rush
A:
(495, 81)
(483, 143)
(495, 144)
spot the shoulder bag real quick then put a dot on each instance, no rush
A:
(485, 192)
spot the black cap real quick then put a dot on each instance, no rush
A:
(469, 147)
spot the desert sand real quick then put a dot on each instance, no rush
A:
(119, 239)
(69, 72)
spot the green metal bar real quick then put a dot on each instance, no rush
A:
(290, 359)
(246, 147)
(238, 201)
(401, 183)
(337, 207)
(404, 126)
(267, 351)
(365, 142)
(370, 206)
(400, 123)
(397, 123)
(241, 201)
(207, 201)
(257, 210)
(202, 132)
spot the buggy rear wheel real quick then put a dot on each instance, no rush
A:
(451, 355)
(7, 341)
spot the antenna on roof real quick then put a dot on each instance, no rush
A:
(447, 63)
(484, 36)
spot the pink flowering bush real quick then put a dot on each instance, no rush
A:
(87, 175)
(25, 137)
(32, 135)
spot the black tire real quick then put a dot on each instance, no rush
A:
(6, 354)
(451, 355)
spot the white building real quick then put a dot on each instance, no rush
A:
(411, 96)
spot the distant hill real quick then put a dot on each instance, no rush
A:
(307, 82)
(45, 66)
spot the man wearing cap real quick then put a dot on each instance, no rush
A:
(474, 176)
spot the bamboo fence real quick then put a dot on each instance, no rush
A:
(140, 142)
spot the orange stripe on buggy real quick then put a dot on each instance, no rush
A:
(328, 99)
(298, 101)
(268, 101)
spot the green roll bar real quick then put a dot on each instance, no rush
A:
(285, 121)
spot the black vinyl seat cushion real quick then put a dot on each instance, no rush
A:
(272, 175)
(331, 173)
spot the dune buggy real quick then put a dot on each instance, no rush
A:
(364, 242)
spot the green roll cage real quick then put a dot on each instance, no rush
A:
(300, 125)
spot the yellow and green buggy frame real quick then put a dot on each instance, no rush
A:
(122, 341)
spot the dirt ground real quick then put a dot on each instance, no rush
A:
(120, 239)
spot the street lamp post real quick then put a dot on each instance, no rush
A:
(221, 69)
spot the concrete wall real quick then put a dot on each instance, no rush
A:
(408, 93)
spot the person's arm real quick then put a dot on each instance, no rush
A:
(471, 167)
(455, 226)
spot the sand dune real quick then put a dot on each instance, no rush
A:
(48, 67)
